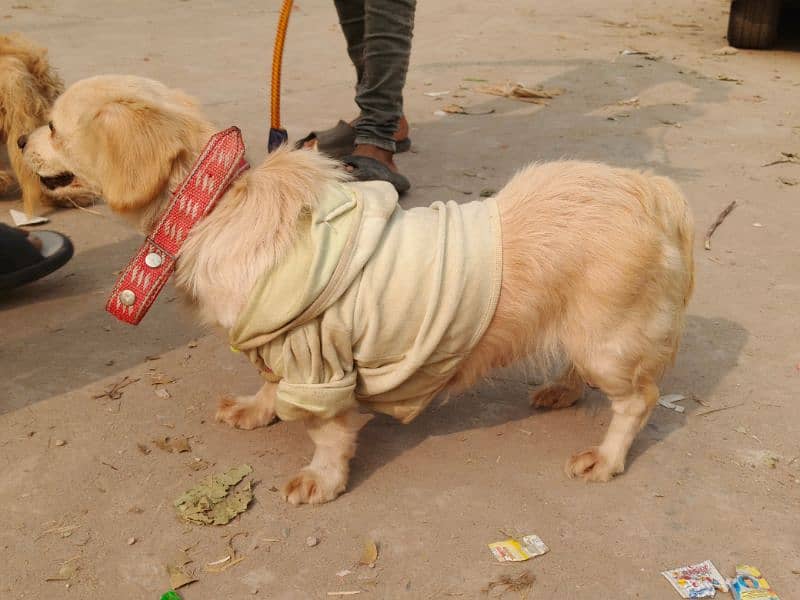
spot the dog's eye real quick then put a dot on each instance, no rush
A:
(51, 126)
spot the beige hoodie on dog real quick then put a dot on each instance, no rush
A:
(373, 304)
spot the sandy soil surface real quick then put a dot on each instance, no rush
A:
(721, 485)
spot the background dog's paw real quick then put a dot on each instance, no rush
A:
(243, 413)
(312, 487)
(554, 396)
(591, 465)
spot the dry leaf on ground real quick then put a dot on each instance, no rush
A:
(212, 502)
(173, 445)
(178, 577)
(457, 109)
(725, 51)
(66, 571)
(517, 91)
(369, 553)
(158, 378)
(521, 584)
(629, 102)
(199, 464)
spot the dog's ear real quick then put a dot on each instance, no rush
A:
(134, 146)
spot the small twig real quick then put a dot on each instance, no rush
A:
(114, 392)
(109, 465)
(717, 223)
(713, 410)
(791, 157)
(83, 208)
(350, 593)
(67, 529)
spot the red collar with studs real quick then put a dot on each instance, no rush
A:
(219, 164)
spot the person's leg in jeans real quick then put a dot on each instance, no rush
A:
(378, 34)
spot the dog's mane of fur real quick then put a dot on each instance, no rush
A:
(253, 225)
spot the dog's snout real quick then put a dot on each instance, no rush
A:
(22, 141)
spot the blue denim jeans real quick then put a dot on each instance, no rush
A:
(378, 34)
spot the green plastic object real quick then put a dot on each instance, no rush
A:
(171, 595)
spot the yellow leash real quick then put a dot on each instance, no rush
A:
(277, 135)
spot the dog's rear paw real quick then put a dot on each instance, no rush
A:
(313, 487)
(555, 396)
(244, 413)
(591, 465)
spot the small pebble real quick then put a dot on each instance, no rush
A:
(312, 541)
(60, 442)
(131, 541)
(285, 532)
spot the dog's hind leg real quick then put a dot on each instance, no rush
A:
(563, 392)
(335, 444)
(631, 412)
(249, 412)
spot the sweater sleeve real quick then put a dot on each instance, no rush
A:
(319, 378)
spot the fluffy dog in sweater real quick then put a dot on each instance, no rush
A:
(592, 274)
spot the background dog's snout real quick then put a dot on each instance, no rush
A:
(21, 141)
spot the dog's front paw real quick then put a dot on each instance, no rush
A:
(310, 486)
(592, 465)
(244, 412)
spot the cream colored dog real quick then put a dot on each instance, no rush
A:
(596, 261)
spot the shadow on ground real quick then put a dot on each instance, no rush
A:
(81, 343)
(710, 349)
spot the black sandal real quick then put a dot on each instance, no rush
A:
(371, 169)
(21, 262)
(340, 141)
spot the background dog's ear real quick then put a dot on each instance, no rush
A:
(135, 144)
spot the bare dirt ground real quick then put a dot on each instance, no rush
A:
(723, 486)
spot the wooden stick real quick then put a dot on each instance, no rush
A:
(717, 223)
(721, 408)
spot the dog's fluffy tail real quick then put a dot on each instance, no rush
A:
(677, 221)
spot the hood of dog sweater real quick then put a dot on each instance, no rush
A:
(334, 242)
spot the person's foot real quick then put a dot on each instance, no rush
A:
(400, 135)
(383, 156)
(370, 163)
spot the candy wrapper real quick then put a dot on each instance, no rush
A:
(696, 581)
(512, 550)
(751, 585)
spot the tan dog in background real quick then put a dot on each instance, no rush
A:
(597, 261)
(28, 88)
